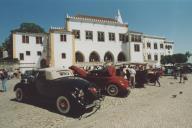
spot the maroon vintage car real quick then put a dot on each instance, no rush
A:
(106, 79)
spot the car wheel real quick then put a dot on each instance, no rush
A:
(63, 105)
(112, 90)
(19, 94)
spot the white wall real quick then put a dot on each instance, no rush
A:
(62, 47)
(33, 60)
(88, 46)
(159, 51)
(136, 56)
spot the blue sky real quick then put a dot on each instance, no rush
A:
(168, 18)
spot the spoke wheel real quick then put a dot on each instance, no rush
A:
(112, 90)
(63, 105)
(19, 94)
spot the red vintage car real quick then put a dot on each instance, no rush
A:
(106, 79)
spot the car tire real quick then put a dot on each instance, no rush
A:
(112, 90)
(63, 105)
(19, 93)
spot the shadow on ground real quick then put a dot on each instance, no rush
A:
(50, 107)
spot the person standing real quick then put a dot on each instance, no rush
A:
(157, 76)
(181, 75)
(4, 77)
(132, 76)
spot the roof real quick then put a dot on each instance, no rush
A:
(58, 29)
(154, 37)
(169, 42)
(136, 32)
(96, 18)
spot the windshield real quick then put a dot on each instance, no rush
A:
(51, 75)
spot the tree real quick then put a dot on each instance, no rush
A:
(29, 27)
(24, 27)
(166, 59)
(175, 58)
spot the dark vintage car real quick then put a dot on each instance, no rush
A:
(105, 79)
(68, 92)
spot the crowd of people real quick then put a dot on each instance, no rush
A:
(139, 75)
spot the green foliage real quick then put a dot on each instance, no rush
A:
(29, 27)
(175, 58)
(24, 27)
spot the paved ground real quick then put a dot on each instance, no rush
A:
(169, 106)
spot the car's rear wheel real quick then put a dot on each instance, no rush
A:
(63, 105)
(19, 94)
(112, 90)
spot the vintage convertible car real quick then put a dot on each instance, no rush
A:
(106, 79)
(70, 93)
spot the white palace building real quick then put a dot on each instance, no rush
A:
(87, 40)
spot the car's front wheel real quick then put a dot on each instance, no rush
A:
(19, 94)
(63, 105)
(112, 90)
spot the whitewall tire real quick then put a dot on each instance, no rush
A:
(112, 90)
(19, 94)
(63, 105)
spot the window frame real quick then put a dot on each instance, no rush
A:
(21, 56)
(25, 39)
(76, 33)
(111, 36)
(39, 40)
(136, 47)
(28, 53)
(63, 55)
(63, 37)
(88, 35)
(101, 36)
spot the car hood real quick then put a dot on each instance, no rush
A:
(79, 71)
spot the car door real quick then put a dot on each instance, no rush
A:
(43, 85)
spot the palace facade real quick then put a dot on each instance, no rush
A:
(88, 40)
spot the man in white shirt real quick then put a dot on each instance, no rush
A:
(132, 76)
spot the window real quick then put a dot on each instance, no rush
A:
(89, 35)
(155, 45)
(148, 45)
(155, 57)
(28, 53)
(136, 38)
(121, 37)
(126, 38)
(111, 36)
(21, 56)
(63, 38)
(101, 36)
(137, 47)
(39, 53)
(149, 57)
(76, 33)
(25, 39)
(39, 40)
(63, 55)
(161, 45)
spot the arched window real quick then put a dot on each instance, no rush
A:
(108, 57)
(79, 57)
(121, 57)
(94, 57)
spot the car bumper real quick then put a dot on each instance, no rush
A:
(96, 103)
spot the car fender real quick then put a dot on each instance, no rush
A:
(20, 85)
